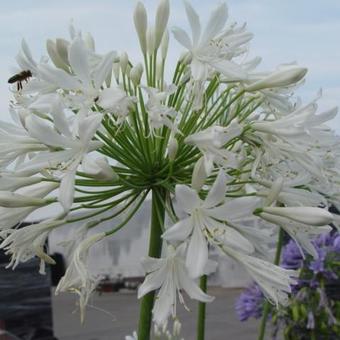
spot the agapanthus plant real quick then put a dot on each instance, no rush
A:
(313, 311)
(227, 155)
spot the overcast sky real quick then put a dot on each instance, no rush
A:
(293, 30)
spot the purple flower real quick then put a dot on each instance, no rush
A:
(291, 256)
(250, 303)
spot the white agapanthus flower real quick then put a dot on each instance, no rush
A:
(170, 276)
(77, 278)
(229, 155)
(204, 222)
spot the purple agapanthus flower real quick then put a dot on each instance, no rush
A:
(250, 303)
(291, 256)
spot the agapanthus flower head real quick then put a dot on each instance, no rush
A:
(226, 153)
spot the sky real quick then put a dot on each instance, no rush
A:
(304, 31)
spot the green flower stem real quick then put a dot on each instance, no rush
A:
(155, 249)
(201, 310)
(266, 307)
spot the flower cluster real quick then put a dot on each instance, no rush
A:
(314, 306)
(228, 154)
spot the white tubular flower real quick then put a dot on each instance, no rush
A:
(98, 168)
(10, 199)
(215, 47)
(203, 222)
(12, 216)
(162, 17)
(141, 24)
(25, 243)
(301, 233)
(136, 74)
(307, 215)
(160, 115)
(170, 276)
(211, 143)
(86, 79)
(274, 281)
(9, 181)
(74, 149)
(116, 101)
(285, 76)
(77, 278)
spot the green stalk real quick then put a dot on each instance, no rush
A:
(155, 249)
(201, 310)
(266, 307)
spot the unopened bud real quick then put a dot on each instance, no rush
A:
(165, 44)
(172, 148)
(124, 60)
(136, 74)
(150, 38)
(162, 17)
(62, 47)
(280, 78)
(9, 199)
(54, 56)
(140, 19)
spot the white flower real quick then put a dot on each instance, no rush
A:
(141, 23)
(285, 76)
(162, 17)
(301, 233)
(115, 100)
(215, 47)
(169, 275)
(87, 79)
(25, 243)
(77, 278)
(203, 221)
(99, 168)
(160, 115)
(71, 155)
(10, 199)
(274, 281)
(211, 142)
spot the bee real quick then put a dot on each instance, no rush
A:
(19, 78)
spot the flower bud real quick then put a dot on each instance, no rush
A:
(9, 199)
(115, 69)
(54, 56)
(62, 47)
(199, 175)
(124, 61)
(140, 19)
(136, 74)
(99, 168)
(165, 44)
(162, 17)
(307, 215)
(281, 78)
(172, 148)
(150, 39)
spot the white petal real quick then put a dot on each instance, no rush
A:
(152, 281)
(199, 70)
(44, 133)
(66, 190)
(191, 287)
(151, 264)
(179, 231)
(216, 22)
(235, 209)
(194, 21)
(236, 240)
(197, 255)
(88, 127)
(229, 69)
(187, 198)
(78, 57)
(58, 77)
(182, 37)
(103, 69)
(217, 192)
